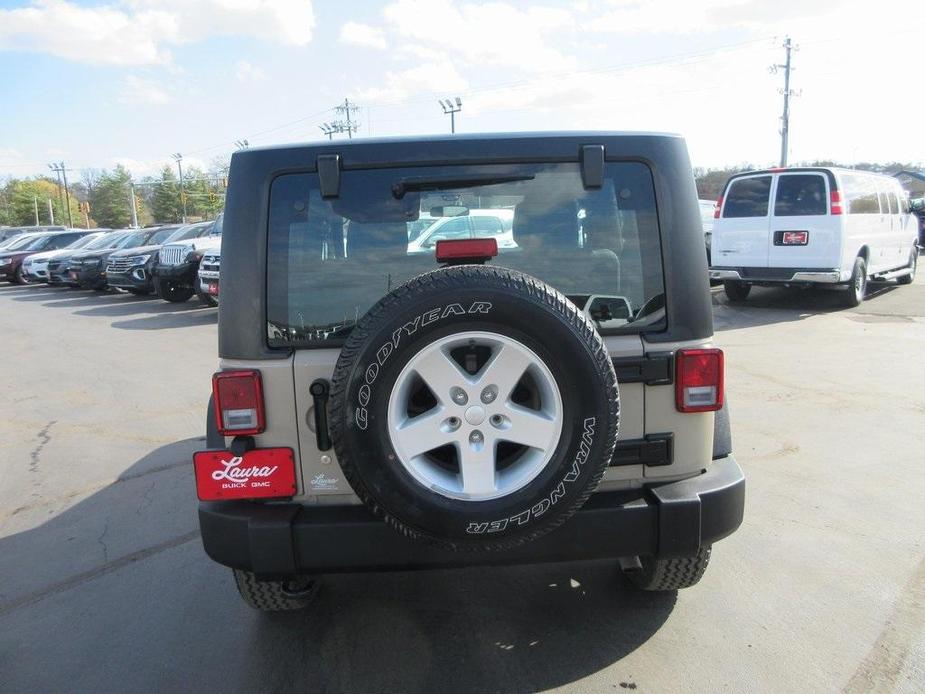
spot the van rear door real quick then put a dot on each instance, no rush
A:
(803, 233)
(740, 235)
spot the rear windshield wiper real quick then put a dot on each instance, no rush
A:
(447, 182)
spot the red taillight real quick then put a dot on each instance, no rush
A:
(238, 397)
(719, 206)
(836, 202)
(699, 380)
(466, 249)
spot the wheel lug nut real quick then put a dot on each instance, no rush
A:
(489, 394)
(476, 437)
(453, 423)
(458, 395)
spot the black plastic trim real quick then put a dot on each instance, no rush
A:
(329, 175)
(653, 450)
(592, 166)
(653, 369)
(672, 519)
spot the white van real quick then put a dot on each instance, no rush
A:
(807, 226)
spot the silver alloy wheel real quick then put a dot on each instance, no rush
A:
(473, 414)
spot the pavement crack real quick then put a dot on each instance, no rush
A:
(81, 578)
(44, 438)
(102, 543)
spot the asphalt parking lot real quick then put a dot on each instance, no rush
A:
(104, 585)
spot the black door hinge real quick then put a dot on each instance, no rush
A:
(653, 369)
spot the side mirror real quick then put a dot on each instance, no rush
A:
(917, 205)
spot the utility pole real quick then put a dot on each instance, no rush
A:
(787, 93)
(51, 212)
(346, 126)
(242, 144)
(451, 109)
(179, 159)
(54, 167)
(134, 209)
(61, 169)
(329, 129)
(35, 207)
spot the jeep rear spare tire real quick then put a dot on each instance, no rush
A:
(474, 407)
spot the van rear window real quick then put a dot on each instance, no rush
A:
(748, 197)
(329, 261)
(800, 195)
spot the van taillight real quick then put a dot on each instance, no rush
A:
(836, 202)
(719, 206)
(699, 381)
(238, 397)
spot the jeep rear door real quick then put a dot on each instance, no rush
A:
(740, 235)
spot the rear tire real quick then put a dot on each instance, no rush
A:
(736, 291)
(913, 263)
(276, 596)
(670, 574)
(857, 288)
(173, 293)
(18, 277)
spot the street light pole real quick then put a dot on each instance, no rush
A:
(179, 158)
(35, 208)
(51, 212)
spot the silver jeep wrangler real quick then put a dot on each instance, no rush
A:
(533, 382)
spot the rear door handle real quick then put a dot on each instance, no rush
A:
(319, 391)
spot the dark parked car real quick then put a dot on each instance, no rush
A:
(130, 268)
(88, 268)
(10, 232)
(58, 266)
(11, 258)
(176, 273)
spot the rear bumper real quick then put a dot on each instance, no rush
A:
(759, 275)
(674, 519)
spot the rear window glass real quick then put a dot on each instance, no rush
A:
(800, 195)
(748, 197)
(329, 261)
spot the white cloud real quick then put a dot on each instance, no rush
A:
(358, 34)
(138, 32)
(494, 34)
(138, 90)
(420, 79)
(248, 72)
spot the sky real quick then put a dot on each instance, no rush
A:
(95, 84)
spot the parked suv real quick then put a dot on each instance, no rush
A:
(130, 268)
(176, 272)
(209, 268)
(11, 258)
(87, 269)
(557, 400)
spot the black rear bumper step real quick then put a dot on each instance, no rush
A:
(671, 519)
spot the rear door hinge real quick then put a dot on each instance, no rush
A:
(653, 369)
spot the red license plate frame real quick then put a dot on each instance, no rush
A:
(261, 473)
(212, 288)
(795, 238)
